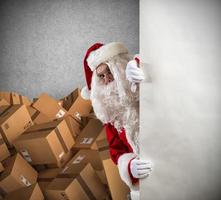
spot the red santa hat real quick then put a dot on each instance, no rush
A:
(95, 55)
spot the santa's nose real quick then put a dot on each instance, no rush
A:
(107, 79)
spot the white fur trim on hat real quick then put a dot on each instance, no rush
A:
(123, 169)
(104, 53)
(85, 93)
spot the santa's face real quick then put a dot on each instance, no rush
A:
(104, 74)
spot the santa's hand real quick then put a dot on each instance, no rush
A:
(140, 168)
(133, 73)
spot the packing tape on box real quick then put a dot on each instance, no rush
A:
(85, 187)
(6, 111)
(11, 98)
(34, 116)
(103, 145)
(72, 96)
(43, 129)
(3, 136)
(24, 181)
(20, 99)
(61, 140)
(103, 148)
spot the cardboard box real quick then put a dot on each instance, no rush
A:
(17, 174)
(32, 192)
(4, 153)
(76, 105)
(103, 148)
(89, 134)
(14, 120)
(118, 189)
(84, 185)
(47, 143)
(14, 98)
(49, 107)
(37, 117)
(3, 102)
(81, 158)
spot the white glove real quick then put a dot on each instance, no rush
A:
(140, 168)
(133, 73)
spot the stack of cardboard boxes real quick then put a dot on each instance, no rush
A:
(54, 149)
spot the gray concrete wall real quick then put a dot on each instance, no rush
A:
(43, 42)
(181, 107)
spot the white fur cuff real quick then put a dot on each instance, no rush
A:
(85, 93)
(123, 169)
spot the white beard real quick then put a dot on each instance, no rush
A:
(115, 103)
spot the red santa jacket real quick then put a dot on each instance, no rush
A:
(118, 146)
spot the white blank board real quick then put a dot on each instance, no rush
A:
(180, 109)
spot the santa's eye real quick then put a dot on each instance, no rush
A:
(101, 76)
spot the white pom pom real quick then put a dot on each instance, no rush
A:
(85, 93)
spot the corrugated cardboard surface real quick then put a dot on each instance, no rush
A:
(17, 174)
(89, 134)
(14, 120)
(118, 189)
(81, 158)
(76, 105)
(55, 138)
(83, 185)
(49, 107)
(37, 117)
(32, 192)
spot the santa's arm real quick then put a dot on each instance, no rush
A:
(121, 153)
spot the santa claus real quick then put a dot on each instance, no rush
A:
(112, 77)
